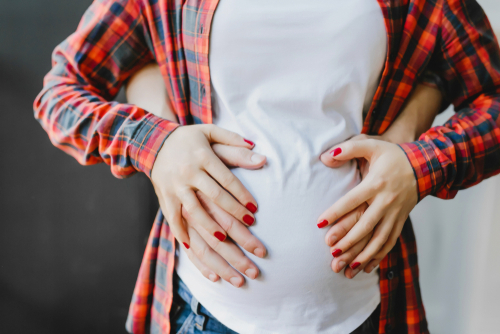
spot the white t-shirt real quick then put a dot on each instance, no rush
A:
(294, 77)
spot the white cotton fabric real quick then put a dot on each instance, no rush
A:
(294, 77)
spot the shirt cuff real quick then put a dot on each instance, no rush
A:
(148, 140)
(426, 167)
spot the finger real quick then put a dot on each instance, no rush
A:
(328, 156)
(198, 217)
(172, 212)
(239, 156)
(214, 261)
(365, 225)
(389, 245)
(340, 262)
(233, 255)
(205, 270)
(355, 149)
(216, 134)
(234, 228)
(220, 173)
(344, 225)
(378, 241)
(354, 198)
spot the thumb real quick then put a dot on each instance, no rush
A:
(216, 134)
(354, 149)
(330, 157)
(235, 156)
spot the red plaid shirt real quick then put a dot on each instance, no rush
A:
(115, 38)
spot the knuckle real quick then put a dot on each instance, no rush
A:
(349, 243)
(228, 225)
(216, 245)
(215, 193)
(242, 263)
(378, 184)
(343, 229)
(192, 207)
(249, 244)
(186, 170)
(233, 136)
(227, 179)
(352, 201)
(226, 272)
(390, 199)
(242, 154)
(367, 228)
(202, 252)
(203, 155)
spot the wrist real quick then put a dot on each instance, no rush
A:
(148, 141)
(401, 133)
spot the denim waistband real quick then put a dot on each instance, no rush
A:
(199, 310)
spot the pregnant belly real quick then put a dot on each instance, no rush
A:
(296, 283)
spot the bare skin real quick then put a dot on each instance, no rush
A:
(209, 214)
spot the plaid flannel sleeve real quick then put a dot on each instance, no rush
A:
(466, 149)
(75, 106)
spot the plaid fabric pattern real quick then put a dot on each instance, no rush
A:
(115, 38)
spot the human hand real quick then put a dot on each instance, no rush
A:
(223, 259)
(187, 163)
(220, 259)
(389, 188)
(345, 223)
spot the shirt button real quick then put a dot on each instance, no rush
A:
(202, 91)
(388, 328)
(390, 274)
(201, 29)
(375, 111)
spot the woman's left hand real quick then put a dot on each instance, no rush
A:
(390, 189)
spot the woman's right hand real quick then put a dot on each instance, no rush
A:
(189, 180)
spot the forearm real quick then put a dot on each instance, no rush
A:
(75, 106)
(417, 116)
(466, 149)
(146, 89)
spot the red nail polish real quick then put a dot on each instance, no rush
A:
(251, 207)
(220, 236)
(185, 245)
(336, 151)
(336, 252)
(322, 223)
(248, 219)
(249, 142)
(355, 265)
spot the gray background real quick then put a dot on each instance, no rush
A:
(71, 237)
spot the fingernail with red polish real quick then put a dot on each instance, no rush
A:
(185, 245)
(248, 219)
(336, 252)
(251, 207)
(249, 142)
(355, 265)
(322, 223)
(336, 151)
(220, 236)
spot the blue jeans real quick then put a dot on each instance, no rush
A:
(188, 316)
